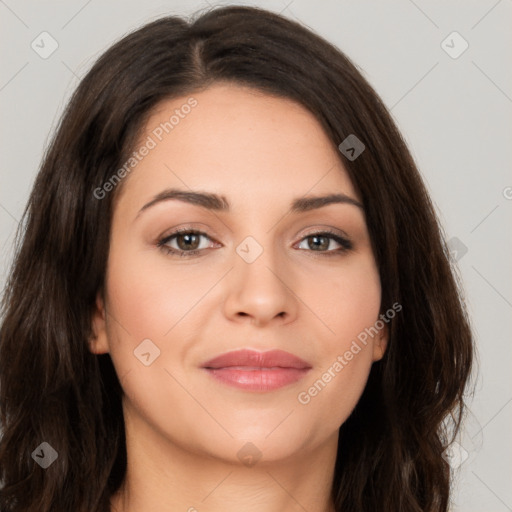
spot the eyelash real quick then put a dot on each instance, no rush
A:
(346, 245)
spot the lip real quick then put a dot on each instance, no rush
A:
(251, 370)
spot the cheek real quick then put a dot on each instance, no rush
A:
(148, 308)
(347, 300)
(150, 325)
(349, 312)
(148, 297)
(331, 395)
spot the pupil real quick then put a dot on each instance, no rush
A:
(317, 242)
(190, 241)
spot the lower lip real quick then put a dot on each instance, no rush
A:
(258, 380)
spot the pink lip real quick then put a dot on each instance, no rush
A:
(257, 371)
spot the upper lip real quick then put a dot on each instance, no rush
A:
(253, 358)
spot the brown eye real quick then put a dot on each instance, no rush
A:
(188, 241)
(318, 242)
(326, 243)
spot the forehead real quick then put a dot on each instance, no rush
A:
(239, 142)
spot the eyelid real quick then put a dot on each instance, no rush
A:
(196, 227)
(163, 240)
(324, 229)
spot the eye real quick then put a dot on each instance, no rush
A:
(190, 242)
(325, 242)
(185, 242)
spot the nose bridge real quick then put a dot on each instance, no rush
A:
(258, 283)
(259, 247)
(258, 262)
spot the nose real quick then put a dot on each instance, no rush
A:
(261, 292)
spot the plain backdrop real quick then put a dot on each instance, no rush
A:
(452, 103)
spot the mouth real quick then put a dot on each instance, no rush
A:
(251, 370)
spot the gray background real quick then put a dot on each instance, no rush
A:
(455, 113)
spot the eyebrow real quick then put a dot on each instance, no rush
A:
(218, 203)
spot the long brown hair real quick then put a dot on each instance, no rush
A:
(54, 390)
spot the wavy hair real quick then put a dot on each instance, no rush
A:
(53, 389)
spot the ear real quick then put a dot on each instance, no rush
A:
(380, 343)
(99, 343)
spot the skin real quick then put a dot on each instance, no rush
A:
(184, 428)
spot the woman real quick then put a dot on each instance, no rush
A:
(231, 291)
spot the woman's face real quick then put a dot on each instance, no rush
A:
(257, 272)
